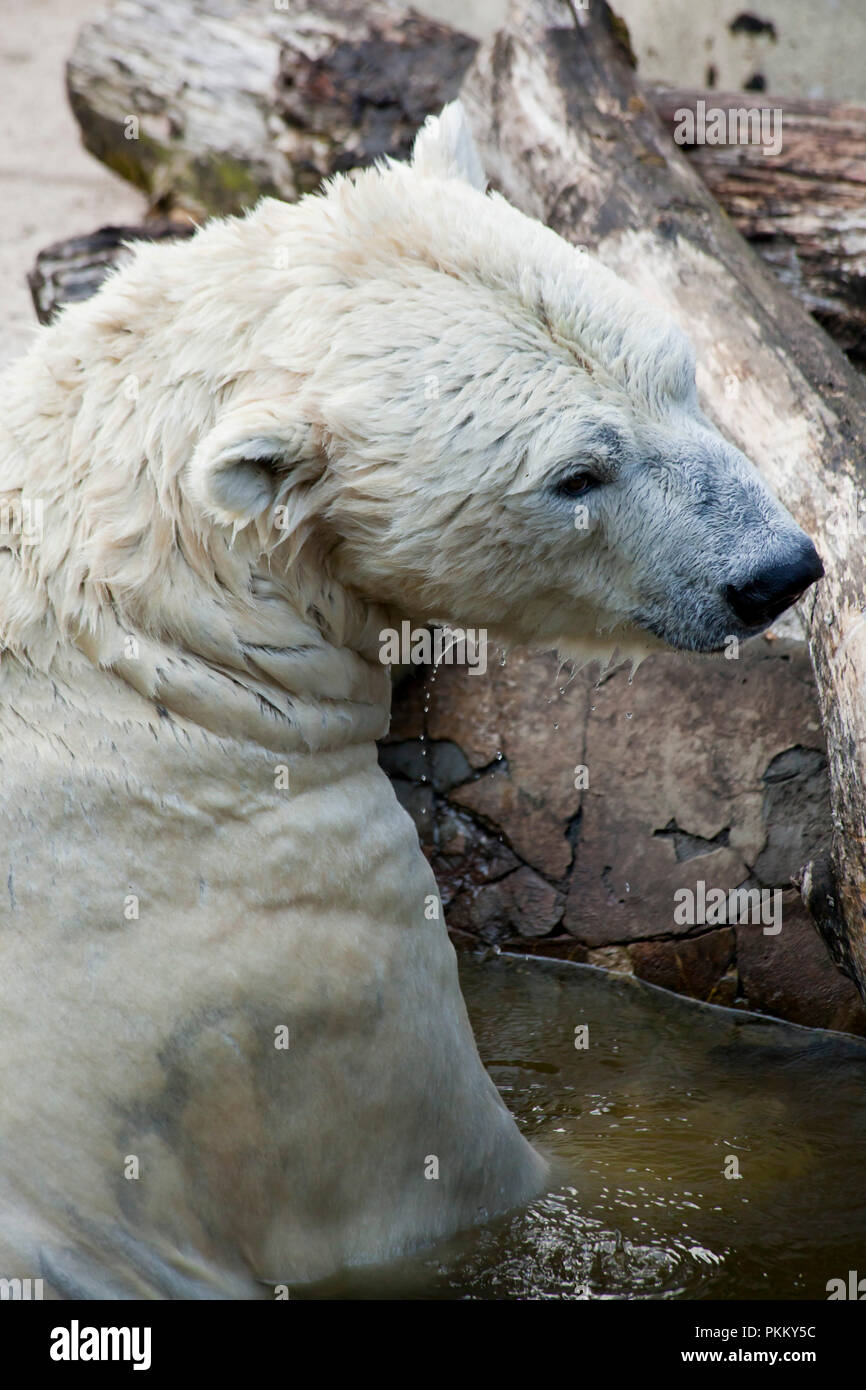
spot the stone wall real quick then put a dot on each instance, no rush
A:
(694, 769)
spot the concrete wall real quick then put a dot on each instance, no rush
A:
(814, 48)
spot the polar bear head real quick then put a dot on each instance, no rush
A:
(490, 427)
(400, 396)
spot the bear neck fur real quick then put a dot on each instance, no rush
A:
(225, 630)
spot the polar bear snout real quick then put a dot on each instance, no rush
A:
(776, 586)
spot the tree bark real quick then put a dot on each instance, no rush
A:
(72, 270)
(804, 209)
(242, 99)
(208, 104)
(568, 136)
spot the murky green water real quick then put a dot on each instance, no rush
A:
(642, 1126)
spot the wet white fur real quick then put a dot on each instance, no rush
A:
(253, 451)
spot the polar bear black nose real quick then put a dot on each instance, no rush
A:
(774, 588)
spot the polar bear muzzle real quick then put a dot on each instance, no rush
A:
(776, 586)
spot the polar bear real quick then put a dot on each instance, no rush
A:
(234, 1049)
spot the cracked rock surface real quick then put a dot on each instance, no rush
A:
(563, 814)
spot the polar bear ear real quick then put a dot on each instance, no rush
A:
(236, 470)
(444, 148)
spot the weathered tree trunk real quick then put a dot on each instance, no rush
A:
(567, 135)
(208, 109)
(71, 270)
(804, 209)
(207, 104)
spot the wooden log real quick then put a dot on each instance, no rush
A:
(804, 208)
(210, 103)
(567, 135)
(242, 99)
(74, 269)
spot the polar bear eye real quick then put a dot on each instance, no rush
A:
(577, 484)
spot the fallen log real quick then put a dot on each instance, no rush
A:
(567, 135)
(71, 270)
(241, 100)
(804, 207)
(210, 103)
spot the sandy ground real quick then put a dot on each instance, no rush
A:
(50, 187)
